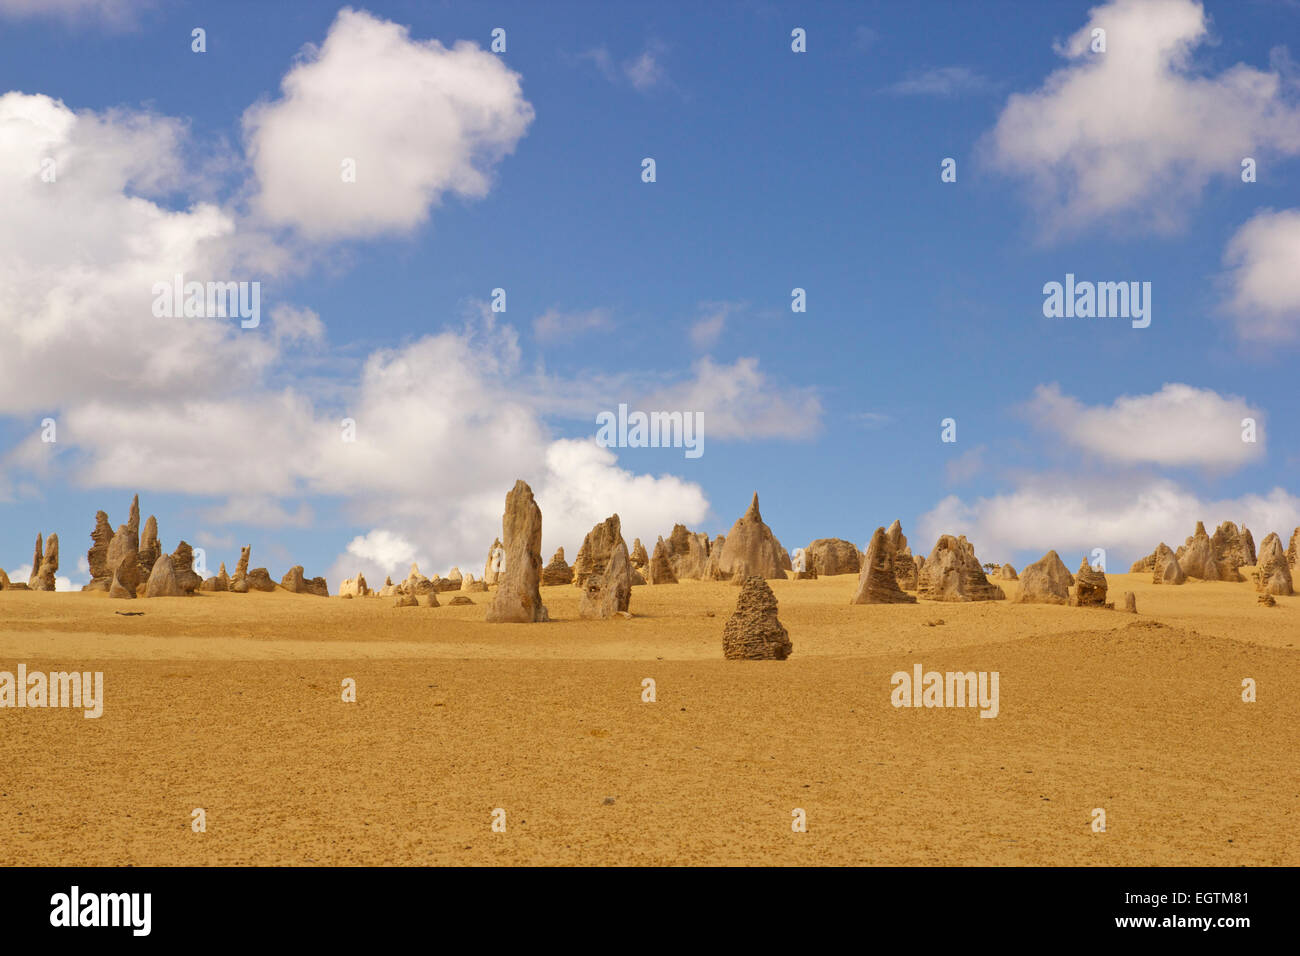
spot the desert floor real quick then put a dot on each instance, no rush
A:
(232, 703)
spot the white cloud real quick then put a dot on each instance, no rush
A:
(1134, 134)
(554, 325)
(708, 329)
(418, 119)
(944, 81)
(1128, 517)
(740, 402)
(1176, 426)
(1264, 261)
(643, 72)
(291, 325)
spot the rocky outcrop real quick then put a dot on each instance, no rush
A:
(610, 592)
(1230, 551)
(1196, 556)
(754, 632)
(495, 564)
(878, 580)
(1130, 603)
(150, 547)
(183, 566)
(640, 559)
(406, 600)
(241, 569)
(688, 552)
(660, 570)
(124, 564)
(1248, 540)
(295, 582)
(38, 555)
(1046, 581)
(101, 578)
(713, 571)
(471, 585)
(1293, 549)
(1273, 573)
(44, 570)
(1143, 565)
(558, 571)
(4, 581)
(828, 556)
(162, 580)
(354, 587)
(751, 549)
(596, 549)
(259, 579)
(905, 568)
(953, 573)
(1090, 586)
(518, 598)
(1165, 568)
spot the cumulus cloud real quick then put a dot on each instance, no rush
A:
(1177, 426)
(1263, 258)
(81, 248)
(1126, 517)
(1136, 133)
(417, 120)
(292, 325)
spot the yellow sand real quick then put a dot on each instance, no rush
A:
(232, 703)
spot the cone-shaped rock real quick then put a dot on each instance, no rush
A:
(38, 555)
(660, 569)
(878, 580)
(1273, 574)
(150, 547)
(904, 561)
(183, 565)
(754, 633)
(241, 569)
(750, 548)
(558, 571)
(688, 552)
(1196, 556)
(1008, 573)
(1090, 586)
(1130, 602)
(596, 549)
(953, 573)
(1230, 551)
(123, 564)
(639, 557)
(518, 598)
(610, 592)
(1046, 581)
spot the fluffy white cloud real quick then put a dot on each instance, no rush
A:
(740, 402)
(1177, 426)
(417, 119)
(1136, 132)
(81, 247)
(1127, 517)
(1263, 257)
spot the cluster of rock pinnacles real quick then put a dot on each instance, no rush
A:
(129, 563)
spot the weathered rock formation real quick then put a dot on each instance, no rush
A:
(1273, 574)
(905, 568)
(45, 570)
(241, 569)
(953, 573)
(150, 547)
(660, 570)
(878, 580)
(354, 587)
(640, 559)
(1165, 568)
(558, 571)
(1231, 551)
(713, 571)
(750, 548)
(295, 582)
(1090, 586)
(101, 578)
(183, 566)
(259, 579)
(1293, 549)
(518, 598)
(1196, 556)
(162, 580)
(1046, 581)
(124, 564)
(472, 584)
(754, 633)
(406, 600)
(38, 555)
(828, 556)
(4, 581)
(1008, 573)
(596, 549)
(610, 592)
(688, 552)
(1130, 602)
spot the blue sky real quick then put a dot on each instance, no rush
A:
(775, 170)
